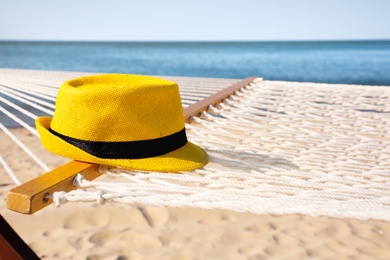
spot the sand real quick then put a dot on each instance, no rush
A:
(116, 231)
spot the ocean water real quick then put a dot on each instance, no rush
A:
(351, 62)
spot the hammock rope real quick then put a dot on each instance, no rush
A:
(275, 148)
(25, 149)
(9, 171)
(315, 156)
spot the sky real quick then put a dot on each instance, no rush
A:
(194, 20)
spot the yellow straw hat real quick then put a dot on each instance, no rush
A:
(130, 121)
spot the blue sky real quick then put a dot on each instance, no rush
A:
(194, 20)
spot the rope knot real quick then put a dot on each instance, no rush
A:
(213, 110)
(78, 180)
(59, 198)
(99, 197)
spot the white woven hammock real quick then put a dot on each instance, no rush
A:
(278, 148)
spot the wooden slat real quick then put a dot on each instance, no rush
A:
(30, 196)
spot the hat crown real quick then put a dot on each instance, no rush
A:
(128, 108)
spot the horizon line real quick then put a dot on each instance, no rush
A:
(192, 41)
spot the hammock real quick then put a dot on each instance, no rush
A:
(275, 148)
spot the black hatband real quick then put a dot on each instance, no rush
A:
(128, 150)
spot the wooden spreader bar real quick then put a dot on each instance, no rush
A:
(215, 99)
(30, 196)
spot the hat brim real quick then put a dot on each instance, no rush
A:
(186, 158)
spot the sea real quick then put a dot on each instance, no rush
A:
(350, 62)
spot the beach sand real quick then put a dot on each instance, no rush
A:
(116, 231)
